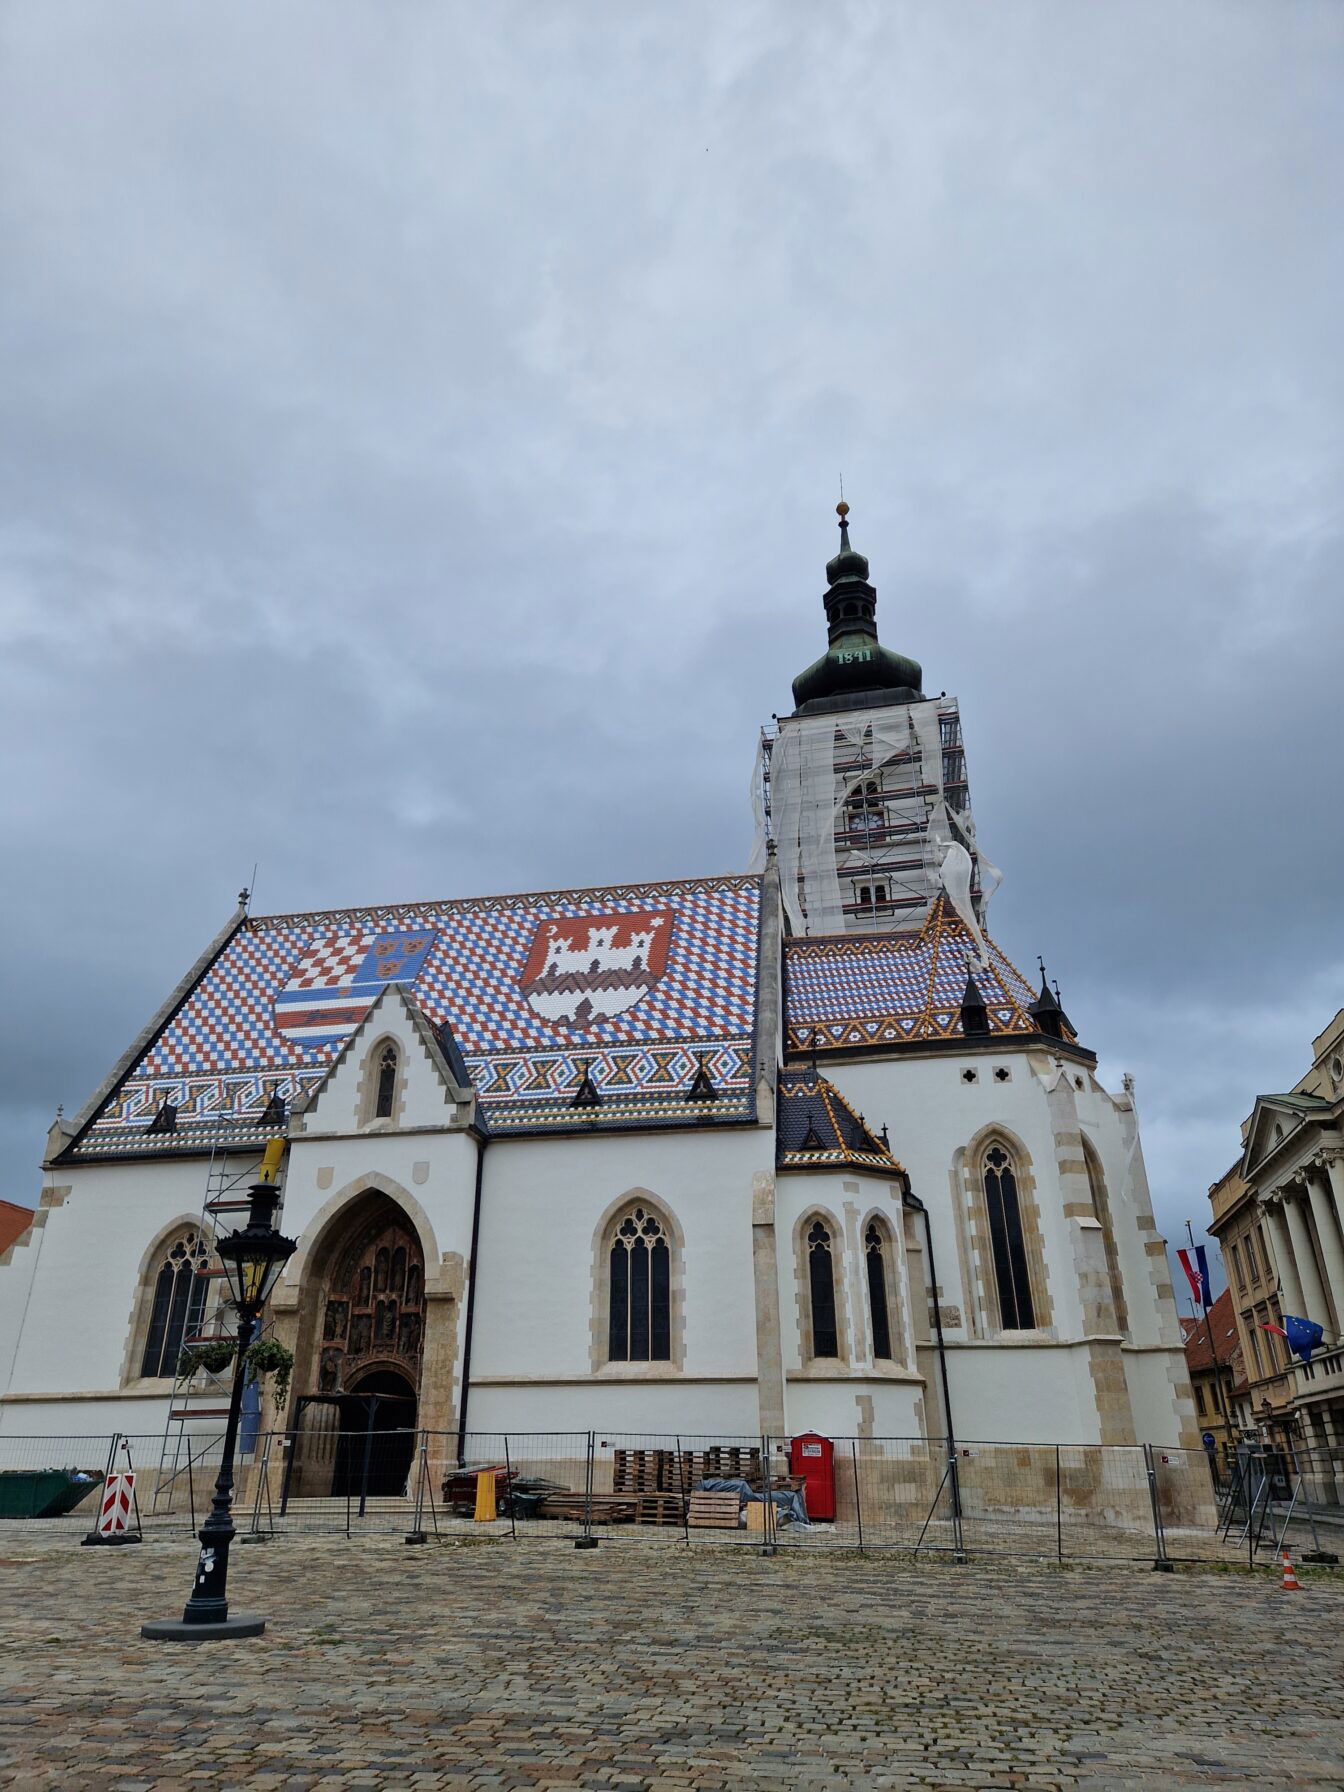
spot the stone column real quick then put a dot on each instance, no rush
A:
(765, 1278)
(1290, 1289)
(1312, 1288)
(1332, 1245)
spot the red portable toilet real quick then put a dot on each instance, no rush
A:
(813, 1457)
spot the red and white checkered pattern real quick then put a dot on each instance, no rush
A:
(331, 963)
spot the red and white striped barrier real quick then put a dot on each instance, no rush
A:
(114, 1516)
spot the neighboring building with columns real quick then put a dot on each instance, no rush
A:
(643, 1158)
(1288, 1192)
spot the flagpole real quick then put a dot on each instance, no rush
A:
(1213, 1352)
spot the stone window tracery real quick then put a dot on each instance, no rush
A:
(178, 1307)
(877, 1258)
(821, 1290)
(387, 1084)
(1008, 1247)
(640, 1293)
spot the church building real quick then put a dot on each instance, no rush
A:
(795, 1148)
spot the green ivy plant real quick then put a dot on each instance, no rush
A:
(268, 1356)
(214, 1356)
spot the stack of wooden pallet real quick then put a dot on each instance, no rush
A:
(614, 1508)
(662, 1471)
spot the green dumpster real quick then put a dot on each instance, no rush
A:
(44, 1492)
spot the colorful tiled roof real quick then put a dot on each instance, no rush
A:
(816, 1129)
(638, 983)
(848, 991)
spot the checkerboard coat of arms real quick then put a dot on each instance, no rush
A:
(589, 968)
(339, 978)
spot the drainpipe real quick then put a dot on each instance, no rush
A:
(482, 1140)
(913, 1201)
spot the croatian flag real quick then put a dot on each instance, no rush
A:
(1197, 1274)
(338, 980)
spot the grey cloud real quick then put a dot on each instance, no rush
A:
(419, 438)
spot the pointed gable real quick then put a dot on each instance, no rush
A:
(428, 1092)
(1274, 1119)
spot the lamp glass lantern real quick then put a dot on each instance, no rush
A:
(254, 1258)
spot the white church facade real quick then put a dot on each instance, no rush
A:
(797, 1149)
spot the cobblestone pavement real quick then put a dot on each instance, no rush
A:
(641, 1666)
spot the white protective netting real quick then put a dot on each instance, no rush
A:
(805, 782)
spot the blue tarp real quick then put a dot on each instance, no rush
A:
(788, 1500)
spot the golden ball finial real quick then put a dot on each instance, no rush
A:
(842, 509)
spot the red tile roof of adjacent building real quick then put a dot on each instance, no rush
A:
(1222, 1321)
(14, 1222)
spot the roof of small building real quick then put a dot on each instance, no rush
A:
(817, 1129)
(843, 991)
(639, 988)
(1222, 1321)
(14, 1222)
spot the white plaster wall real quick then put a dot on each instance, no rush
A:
(545, 1202)
(84, 1292)
(1035, 1392)
(435, 1170)
(1018, 1393)
(16, 1278)
(841, 1408)
(930, 1113)
(1156, 1419)
(856, 1393)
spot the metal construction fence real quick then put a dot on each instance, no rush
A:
(1083, 1502)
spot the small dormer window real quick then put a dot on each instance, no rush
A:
(387, 1083)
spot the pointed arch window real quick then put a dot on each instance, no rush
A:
(1011, 1278)
(640, 1263)
(821, 1290)
(877, 1257)
(178, 1307)
(387, 1083)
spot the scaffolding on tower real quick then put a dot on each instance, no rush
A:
(864, 808)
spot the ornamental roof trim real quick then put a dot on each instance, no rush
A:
(635, 983)
(885, 991)
(817, 1129)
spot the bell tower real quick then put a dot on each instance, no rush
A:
(862, 790)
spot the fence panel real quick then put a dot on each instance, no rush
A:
(1068, 1502)
(1105, 1505)
(651, 1487)
(55, 1479)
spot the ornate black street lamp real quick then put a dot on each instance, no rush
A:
(252, 1260)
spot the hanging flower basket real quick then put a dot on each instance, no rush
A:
(215, 1356)
(270, 1357)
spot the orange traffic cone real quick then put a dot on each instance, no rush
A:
(1291, 1584)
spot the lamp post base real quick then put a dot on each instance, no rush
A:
(173, 1630)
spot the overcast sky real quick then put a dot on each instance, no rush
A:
(419, 438)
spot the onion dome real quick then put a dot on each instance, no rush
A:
(856, 670)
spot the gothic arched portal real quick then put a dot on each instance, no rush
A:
(359, 1389)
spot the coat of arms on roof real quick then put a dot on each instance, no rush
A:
(588, 968)
(339, 978)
